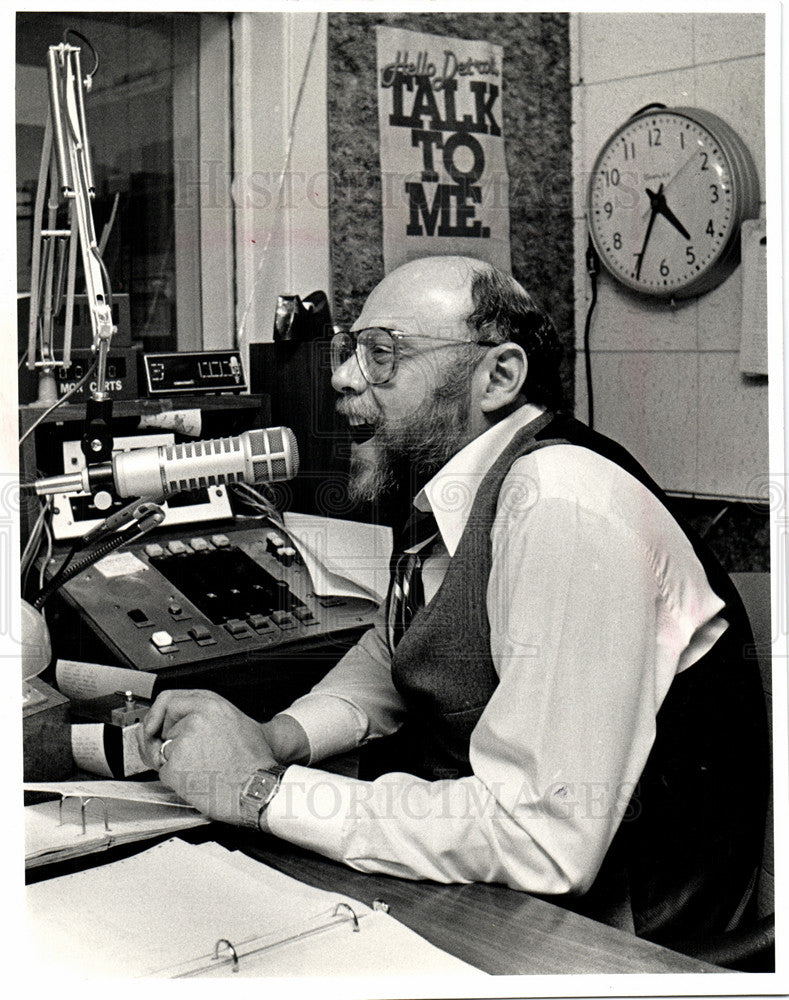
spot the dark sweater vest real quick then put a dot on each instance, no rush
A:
(690, 841)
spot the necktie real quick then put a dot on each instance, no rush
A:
(406, 593)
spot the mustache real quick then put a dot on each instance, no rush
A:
(349, 408)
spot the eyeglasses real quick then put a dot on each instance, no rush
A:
(377, 350)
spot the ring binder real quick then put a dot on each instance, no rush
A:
(83, 807)
(353, 917)
(226, 953)
(229, 946)
(211, 912)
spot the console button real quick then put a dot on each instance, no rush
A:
(199, 633)
(162, 640)
(153, 550)
(283, 618)
(199, 544)
(261, 624)
(220, 541)
(177, 548)
(304, 615)
(237, 628)
(139, 617)
(330, 601)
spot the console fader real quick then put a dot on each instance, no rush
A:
(213, 595)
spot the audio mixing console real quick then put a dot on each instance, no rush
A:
(209, 597)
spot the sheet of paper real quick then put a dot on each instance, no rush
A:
(128, 791)
(120, 564)
(132, 761)
(87, 748)
(53, 832)
(345, 558)
(186, 422)
(45, 835)
(83, 681)
(98, 922)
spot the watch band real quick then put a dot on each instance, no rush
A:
(257, 792)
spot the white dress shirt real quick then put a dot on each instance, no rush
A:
(595, 600)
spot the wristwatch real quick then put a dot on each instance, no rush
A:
(258, 791)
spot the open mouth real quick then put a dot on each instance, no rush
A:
(360, 431)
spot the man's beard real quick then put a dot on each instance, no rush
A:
(417, 446)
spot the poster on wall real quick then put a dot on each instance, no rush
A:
(445, 188)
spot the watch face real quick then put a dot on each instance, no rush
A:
(663, 204)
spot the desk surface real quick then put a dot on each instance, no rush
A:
(497, 929)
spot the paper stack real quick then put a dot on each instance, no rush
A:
(114, 812)
(180, 910)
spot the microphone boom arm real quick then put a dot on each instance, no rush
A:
(67, 174)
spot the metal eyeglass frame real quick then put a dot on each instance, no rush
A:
(340, 345)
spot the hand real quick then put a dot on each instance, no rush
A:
(214, 749)
(653, 202)
(659, 201)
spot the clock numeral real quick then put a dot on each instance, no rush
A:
(690, 255)
(710, 230)
(681, 140)
(611, 177)
(664, 268)
(617, 241)
(608, 208)
(704, 158)
(630, 149)
(714, 196)
(654, 137)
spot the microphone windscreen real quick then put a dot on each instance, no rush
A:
(275, 454)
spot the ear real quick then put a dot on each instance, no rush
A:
(501, 374)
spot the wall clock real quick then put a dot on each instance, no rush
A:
(667, 195)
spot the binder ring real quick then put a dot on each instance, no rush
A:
(162, 754)
(83, 802)
(352, 917)
(229, 946)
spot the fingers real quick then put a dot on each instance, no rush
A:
(156, 748)
(169, 707)
(149, 749)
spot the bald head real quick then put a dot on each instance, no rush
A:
(429, 296)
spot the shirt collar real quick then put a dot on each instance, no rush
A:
(451, 492)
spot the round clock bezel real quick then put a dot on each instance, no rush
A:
(744, 185)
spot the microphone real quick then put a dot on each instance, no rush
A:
(259, 456)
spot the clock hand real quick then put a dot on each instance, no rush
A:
(653, 200)
(681, 170)
(663, 209)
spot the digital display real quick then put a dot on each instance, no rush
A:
(196, 372)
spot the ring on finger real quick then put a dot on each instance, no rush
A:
(163, 753)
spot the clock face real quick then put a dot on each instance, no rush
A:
(664, 206)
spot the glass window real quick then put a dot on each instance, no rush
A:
(144, 101)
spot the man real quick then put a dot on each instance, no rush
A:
(577, 715)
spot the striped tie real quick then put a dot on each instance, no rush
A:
(406, 593)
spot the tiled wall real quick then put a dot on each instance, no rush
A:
(666, 381)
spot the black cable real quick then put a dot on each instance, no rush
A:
(82, 38)
(654, 104)
(60, 578)
(63, 399)
(592, 269)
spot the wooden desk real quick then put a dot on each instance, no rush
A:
(497, 929)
